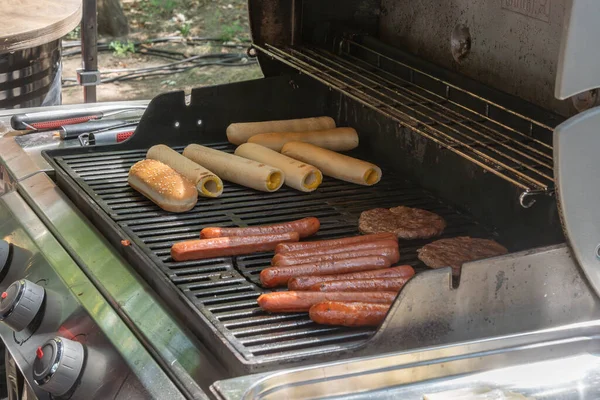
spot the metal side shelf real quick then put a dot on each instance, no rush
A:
(560, 363)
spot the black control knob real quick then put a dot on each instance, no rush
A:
(20, 303)
(58, 364)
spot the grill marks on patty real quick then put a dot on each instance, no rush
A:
(454, 252)
(404, 222)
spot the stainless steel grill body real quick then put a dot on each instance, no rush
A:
(481, 156)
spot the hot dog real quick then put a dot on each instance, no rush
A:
(362, 285)
(306, 282)
(391, 253)
(279, 276)
(348, 313)
(349, 249)
(228, 246)
(305, 227)
(302, 301)
(289, 247)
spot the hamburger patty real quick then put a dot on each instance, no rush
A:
(454, 252)
(404, 222)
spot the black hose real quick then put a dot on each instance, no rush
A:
(220, 59)
(103, 46)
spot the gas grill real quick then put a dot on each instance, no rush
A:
(450, 139)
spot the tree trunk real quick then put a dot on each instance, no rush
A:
(111, 19)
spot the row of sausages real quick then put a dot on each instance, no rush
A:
(348, 281)
(223, 242)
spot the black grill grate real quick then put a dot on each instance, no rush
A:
(225, 289)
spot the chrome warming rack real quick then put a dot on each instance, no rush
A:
(455, 118)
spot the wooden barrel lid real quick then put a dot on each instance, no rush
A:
(30, 23)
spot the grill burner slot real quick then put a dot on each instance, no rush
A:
(461, 121)
(225, 289)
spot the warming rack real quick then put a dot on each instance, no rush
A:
(494, 137)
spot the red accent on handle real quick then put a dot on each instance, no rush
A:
(121, 137)
(58, 123)
(4, 294)
(39, 352)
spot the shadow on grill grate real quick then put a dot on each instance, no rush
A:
(225, 289)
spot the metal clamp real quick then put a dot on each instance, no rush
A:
(88, 78)
(84, 139)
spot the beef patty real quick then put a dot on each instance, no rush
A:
(454, 252)
(404, 222)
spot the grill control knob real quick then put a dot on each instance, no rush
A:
(20, 304)
(58, 364)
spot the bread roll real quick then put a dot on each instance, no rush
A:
(236, 169)
(163, 185)
(298, 175)
(240, 132)
(336, 139)
(333, 164)
(207, 183)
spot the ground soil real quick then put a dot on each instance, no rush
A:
(223, 20)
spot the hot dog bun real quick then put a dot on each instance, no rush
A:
(207, 183)
(336, 139)
(298, 175)
(236, 169)
(163, 186)
(240, 132)
(334, 164)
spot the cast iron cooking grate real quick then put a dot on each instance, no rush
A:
(225, 289)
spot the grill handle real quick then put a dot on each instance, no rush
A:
(52, 120)
(47, 120)
(109, 136)
(73, 131)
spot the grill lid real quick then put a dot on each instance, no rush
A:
(576, 161)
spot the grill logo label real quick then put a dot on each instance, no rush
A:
(538, 9)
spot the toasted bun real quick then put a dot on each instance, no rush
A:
(161, 184)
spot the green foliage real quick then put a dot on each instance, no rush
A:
(163, 8)
(185, 29)
(231, 31)
(122, 49)
(75, 33)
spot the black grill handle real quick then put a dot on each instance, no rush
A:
(52, 119)
(73, 131)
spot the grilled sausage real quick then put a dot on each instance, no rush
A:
(302, 301)
(279, 276)
(228, 246)
(361, 285)
(348, 313)
(349, 249)
(321, 244)
(306, 282)
(305, 227)
(391, 253)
